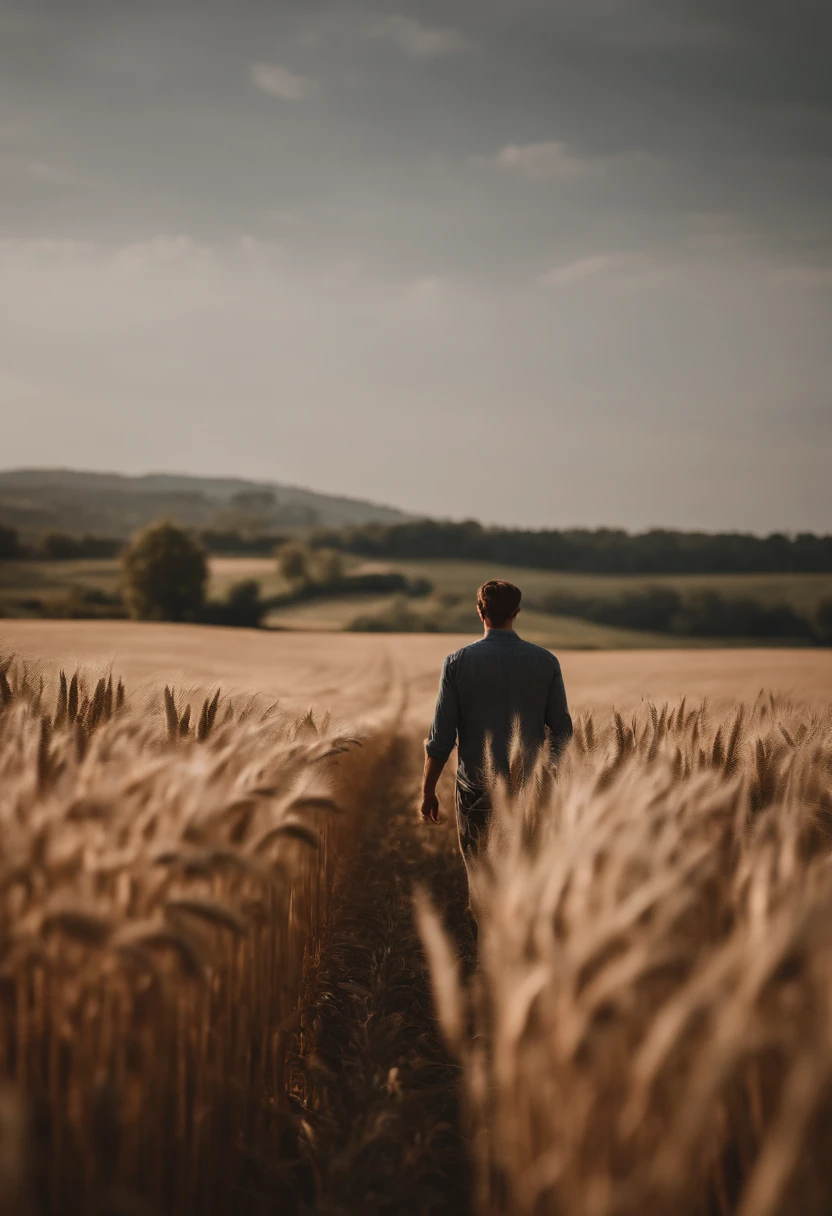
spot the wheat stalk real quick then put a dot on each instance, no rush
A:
(653, 1003)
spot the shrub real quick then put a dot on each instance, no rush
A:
(823, 622)
(374, 583)
(242, 607)
(60, 546)
(704, 614)
(85, 603)
(707, 614)
(397, 618)
(231, 541)
(243, 604)
(10, 547)
(293, 562)
(328, 565)
(164, 575)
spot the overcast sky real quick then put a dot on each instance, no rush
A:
(547, 262)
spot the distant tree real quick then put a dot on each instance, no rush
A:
(256, 501)
(704, 614)
(164, 574)
(10, 547)
(329, 565)
(231, 540)
(243, 605)
(57, 547)
(293, 563)
(86, 603)
(61, 547)
(824, 622)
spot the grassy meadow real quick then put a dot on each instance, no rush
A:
(463, 578)
(26, 584)
(456, 582)
(216, 996)
(53, 579)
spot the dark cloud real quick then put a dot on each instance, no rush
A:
(154, 106)
(617, 194)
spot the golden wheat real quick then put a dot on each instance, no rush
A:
(651, 1015)
(652, 1011)
(164, 878)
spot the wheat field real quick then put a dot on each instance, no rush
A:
(650, 1027)
(214, 996)
(347, 672)
(165, 866)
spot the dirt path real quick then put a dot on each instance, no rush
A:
(384, 1131)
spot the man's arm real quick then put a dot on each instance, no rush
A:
(557, 714)
(441, 741)
(430, 803)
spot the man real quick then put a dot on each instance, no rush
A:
(488, 690)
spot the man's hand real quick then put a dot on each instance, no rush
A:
(430, 808)
(430, 803)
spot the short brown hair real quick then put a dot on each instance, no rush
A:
(498, 601)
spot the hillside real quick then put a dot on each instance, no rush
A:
(38, 500)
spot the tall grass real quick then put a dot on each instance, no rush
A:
(165, 867)
(652, 1011)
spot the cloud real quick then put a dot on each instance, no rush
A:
(552, 160)
(718, 231)
(803, 275)
(620, 267)
(54, 249)
(417, 40)
(429, 289)
(164, 250)
(280, 82)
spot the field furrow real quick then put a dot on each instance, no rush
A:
(383, 1117)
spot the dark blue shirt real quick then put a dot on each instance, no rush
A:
(488, 687)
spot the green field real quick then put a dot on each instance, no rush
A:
(802, 591)
(541, 627)
(23, 583)
(49, 581)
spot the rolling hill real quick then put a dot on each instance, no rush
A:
(111, 504)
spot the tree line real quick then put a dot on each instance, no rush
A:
(64, 546)
(697, 614)
(598, 551)
(581, 550)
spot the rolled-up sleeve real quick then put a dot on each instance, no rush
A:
(442, 738)
(558, 718)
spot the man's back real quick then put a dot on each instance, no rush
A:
(488, 689)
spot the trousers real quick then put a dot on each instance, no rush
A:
(473, 815)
